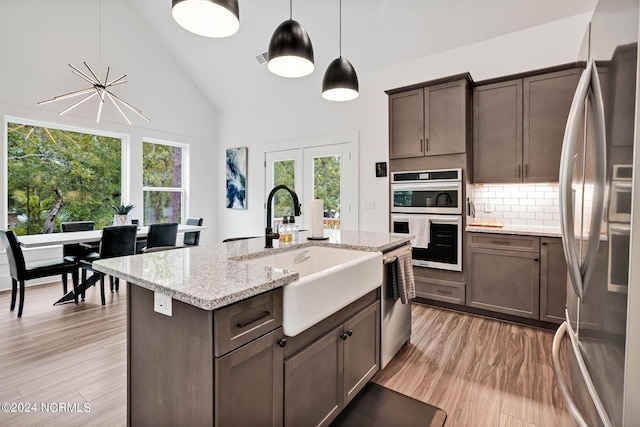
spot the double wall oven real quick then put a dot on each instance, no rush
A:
(428, 204)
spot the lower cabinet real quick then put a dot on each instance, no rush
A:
(519, 275)
(553, 280)
(505, 281)
(250, 377)
(321, 379)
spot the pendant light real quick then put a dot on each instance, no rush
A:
(290, 49)
(340, 81)
(208, 18)
(100, 88)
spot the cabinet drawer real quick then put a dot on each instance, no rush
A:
(510, 242)
(440, 290)
(244, 321)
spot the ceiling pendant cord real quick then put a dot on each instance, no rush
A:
(340, 82)
(290, 10)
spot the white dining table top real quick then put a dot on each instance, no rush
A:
(39, 240)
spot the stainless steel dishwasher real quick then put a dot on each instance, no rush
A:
(395, 317)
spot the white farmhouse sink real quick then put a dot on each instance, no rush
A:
(330, 279)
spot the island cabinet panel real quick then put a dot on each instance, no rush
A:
(170, 363)
(553, 280)
(249, 384)
(429, 121)
(313, 383)
(321, 379)
(361, 349)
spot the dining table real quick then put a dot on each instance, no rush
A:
(84, 237)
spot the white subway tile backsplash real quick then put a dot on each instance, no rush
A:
(521, 204)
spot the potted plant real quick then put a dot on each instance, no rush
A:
(122, 214)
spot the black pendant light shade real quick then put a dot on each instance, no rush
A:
(340, 81)
(209, 18)
(290, 51)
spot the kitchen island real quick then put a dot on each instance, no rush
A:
(219, 355)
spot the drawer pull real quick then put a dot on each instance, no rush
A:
(282, 342)
(346, 335)
(536, 259)
(501, 242)
(440, 291)
(262, 316)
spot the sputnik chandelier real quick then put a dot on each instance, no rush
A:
(98, 88)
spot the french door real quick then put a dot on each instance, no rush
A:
(327, 172)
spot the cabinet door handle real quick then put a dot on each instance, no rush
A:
(282, 342)
(422, 145)
(526, 170)
(519, 171)
(536, 259)
(349, 332)
(266, 313)
(544, 243)
(346, 335)
(426, 143)
(501, 242)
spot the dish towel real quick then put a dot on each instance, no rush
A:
(421, 227)
(402, 282)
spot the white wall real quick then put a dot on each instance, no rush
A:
(39, 38)
(292, 118)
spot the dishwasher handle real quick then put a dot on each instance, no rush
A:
(392, 256)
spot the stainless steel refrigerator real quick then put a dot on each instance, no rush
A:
(596, 352)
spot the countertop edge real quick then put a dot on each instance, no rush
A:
(520, 232)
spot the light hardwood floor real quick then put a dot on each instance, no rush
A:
(482, 372)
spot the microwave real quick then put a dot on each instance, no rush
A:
(437, 192)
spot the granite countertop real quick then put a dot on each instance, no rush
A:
(210, 277)
(527, 230)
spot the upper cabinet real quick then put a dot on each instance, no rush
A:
(519, 127)
(429, 121)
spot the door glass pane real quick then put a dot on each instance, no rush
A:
(283, 173)
(326, 186)
(162, 165)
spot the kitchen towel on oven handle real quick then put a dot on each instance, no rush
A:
(421, 228)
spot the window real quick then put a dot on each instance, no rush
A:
(56, 175)
(163, 181)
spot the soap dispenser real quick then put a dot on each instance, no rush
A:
(295, 230)
(285, 232)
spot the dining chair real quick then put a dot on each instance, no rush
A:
(20, 272)
(75, 252)
(192, 238)
(160, 235)
(116, 241)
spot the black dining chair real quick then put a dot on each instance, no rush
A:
(161, 235)
(20, 273)
(75, 252)
(116, 241)
(192, 238)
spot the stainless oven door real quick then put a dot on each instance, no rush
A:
(438, 241)
(436, 197)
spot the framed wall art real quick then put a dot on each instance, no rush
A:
(237, 178)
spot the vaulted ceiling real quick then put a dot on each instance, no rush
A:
(376, 34)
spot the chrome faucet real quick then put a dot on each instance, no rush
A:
(269, 235)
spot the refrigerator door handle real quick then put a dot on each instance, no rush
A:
(600, 153)
(567, 164)
(562, 385)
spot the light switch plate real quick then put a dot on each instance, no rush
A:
(162, 303)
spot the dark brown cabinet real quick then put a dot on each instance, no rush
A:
(321, 379)
(429, 121)
(553, 280)
(519, 127)
(504, 274)
(251, 377)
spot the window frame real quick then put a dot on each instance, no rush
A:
(125, 147)
(184, 190)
